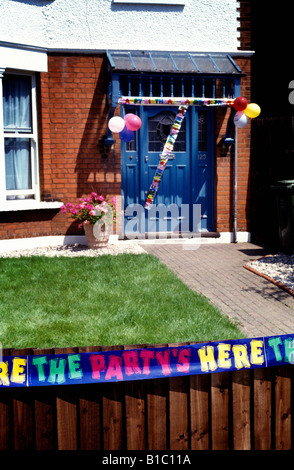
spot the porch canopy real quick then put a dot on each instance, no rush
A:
(213, 78)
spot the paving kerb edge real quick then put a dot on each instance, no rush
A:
(268, 278)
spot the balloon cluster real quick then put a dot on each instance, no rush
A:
(244, 110)
(125, 127)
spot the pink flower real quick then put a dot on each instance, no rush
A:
(87, 210)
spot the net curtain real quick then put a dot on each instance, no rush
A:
(17, 121)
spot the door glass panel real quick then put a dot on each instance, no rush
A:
(202, 131)
(159, 128)
(131, 146)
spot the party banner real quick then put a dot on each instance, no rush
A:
(146, 363)
(175, 101)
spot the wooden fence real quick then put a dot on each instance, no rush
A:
(240, 410)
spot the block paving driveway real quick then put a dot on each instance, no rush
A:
(217, 271)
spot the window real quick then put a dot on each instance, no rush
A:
(159, 128)
(19, 170)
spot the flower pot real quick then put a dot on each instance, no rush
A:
(97, 236)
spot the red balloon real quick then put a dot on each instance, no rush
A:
(240, 103)
(133, 122)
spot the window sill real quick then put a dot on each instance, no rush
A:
(29, 205)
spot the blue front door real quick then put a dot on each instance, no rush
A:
(188, 179)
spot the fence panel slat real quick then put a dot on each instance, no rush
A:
(283, 416)
(179, 389)
(23, 413)
(90, 417)
(45, 412)
(135, 415)
(67, 413)
(6, 420)
(157, 411)
(220, 383)
(262, 409)
(90, 412)
(112, 403)
(241, 391)
(6, 417)
(199, 411)
(178, 413)
(135, 395)
(66, 408)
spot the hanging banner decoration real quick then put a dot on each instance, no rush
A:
(146, 363)
(175, 101)
(167, 149)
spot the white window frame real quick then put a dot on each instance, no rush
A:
(34, 155)
(22, 204)
(23, 60)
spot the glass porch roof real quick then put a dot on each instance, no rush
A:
(172, 62)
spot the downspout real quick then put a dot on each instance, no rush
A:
(228, 140)
(235, 187)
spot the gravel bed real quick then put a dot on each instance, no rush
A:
(279, 267)
(76, 250)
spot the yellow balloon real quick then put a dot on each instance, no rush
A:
(252, 110)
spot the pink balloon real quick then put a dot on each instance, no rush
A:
(133, 122)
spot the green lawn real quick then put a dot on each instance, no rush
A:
(108, 300)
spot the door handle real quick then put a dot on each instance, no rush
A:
(146, 159)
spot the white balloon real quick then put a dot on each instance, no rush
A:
(116, 124)
(240, 119)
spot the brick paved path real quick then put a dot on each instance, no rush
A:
(217, 271)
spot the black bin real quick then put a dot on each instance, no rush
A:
(285, 210)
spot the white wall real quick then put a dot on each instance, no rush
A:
(198, 25)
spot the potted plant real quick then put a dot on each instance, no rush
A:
(96, 216)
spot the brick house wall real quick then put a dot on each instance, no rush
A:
(225, 166)
(73, 108)
(72, 119)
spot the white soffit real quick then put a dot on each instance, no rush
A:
(21, 58)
